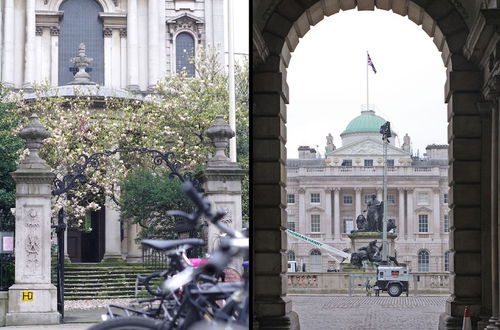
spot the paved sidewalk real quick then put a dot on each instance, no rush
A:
(327, 312)
(73, 320)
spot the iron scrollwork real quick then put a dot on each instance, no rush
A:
(76, 174)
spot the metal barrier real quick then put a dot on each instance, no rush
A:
(154, 259)
(7, 264)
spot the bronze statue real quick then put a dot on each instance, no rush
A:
(375, 214)
(370, 253)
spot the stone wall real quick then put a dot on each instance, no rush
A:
(345, 283)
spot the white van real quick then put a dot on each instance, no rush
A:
(292, 266)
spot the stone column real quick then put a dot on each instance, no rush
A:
(336, 213)
(222, 184)
(132, 46)
(401, 215)
(112, 248)
(8, 44)
(153, 43)
(436, 212)
(134, 249)
(54, 55)
(358, 202)
(409, 214)
(302, 211)
(328, 212)
(123, 58)
(30, 46)
(108, 57)
(33, 228)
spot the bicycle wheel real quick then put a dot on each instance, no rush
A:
(129, 323)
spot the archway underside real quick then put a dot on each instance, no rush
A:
(469, 134)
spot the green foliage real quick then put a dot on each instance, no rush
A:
(146, 197)
(10, 146)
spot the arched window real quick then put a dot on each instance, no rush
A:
(184, 51)
(423, 261)
(291, 255)
(447, 261)
(81, 23)
(315, 261)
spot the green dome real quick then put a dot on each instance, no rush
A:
(365, 123)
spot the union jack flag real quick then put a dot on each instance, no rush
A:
(370, 63)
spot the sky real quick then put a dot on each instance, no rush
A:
(241, 26)
(327, 80)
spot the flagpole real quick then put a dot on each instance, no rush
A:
(367, 95)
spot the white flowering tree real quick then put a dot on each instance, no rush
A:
(171, 119)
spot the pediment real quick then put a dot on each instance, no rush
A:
(368, 147)
(184, 16)
(315, 209)
(423, 209)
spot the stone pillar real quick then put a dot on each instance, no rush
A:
(358, 202)
(30, 45)
(8, 44)
(153, 43)
(302, 210)
(132, 46)
(108, 57)
(336, 213)
(328, 212)
(436, 212)
(123, 58)
(54, 56)
(134, 249)
(401, 215)
(222, 184)
(33, 228)
(112, 248)
(409, 214)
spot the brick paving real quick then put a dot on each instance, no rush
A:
(321, 312)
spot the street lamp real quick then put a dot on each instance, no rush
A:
(385, 130)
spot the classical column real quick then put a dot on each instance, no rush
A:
(302, 211)
(41, 54)
(132, 46)
(409, 214)
(437, 214)
(134, 249)
(401, 214)
(153, 43)
(8, 44)
(328, 212)
(358, 202)
(30, 46)
(123, 58)
(112, 248)
(222, 185)
(32, 299)
(54, 56)
(108, 57)
(336, 213)
(116, 63)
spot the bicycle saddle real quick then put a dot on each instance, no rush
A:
(160, 244)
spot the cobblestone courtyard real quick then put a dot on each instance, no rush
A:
(322, 312)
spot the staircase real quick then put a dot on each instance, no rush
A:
(102, 281)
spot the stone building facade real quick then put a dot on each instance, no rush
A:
(326, 194)
(466, 33)
(133, 42)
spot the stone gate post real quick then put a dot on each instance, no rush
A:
(222, 184)
(33, 299)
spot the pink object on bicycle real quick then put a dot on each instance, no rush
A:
(197, 261)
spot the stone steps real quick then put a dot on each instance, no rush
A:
(103, 281)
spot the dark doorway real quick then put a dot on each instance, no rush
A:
(88, 247)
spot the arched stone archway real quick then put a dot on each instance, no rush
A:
(462, 34)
